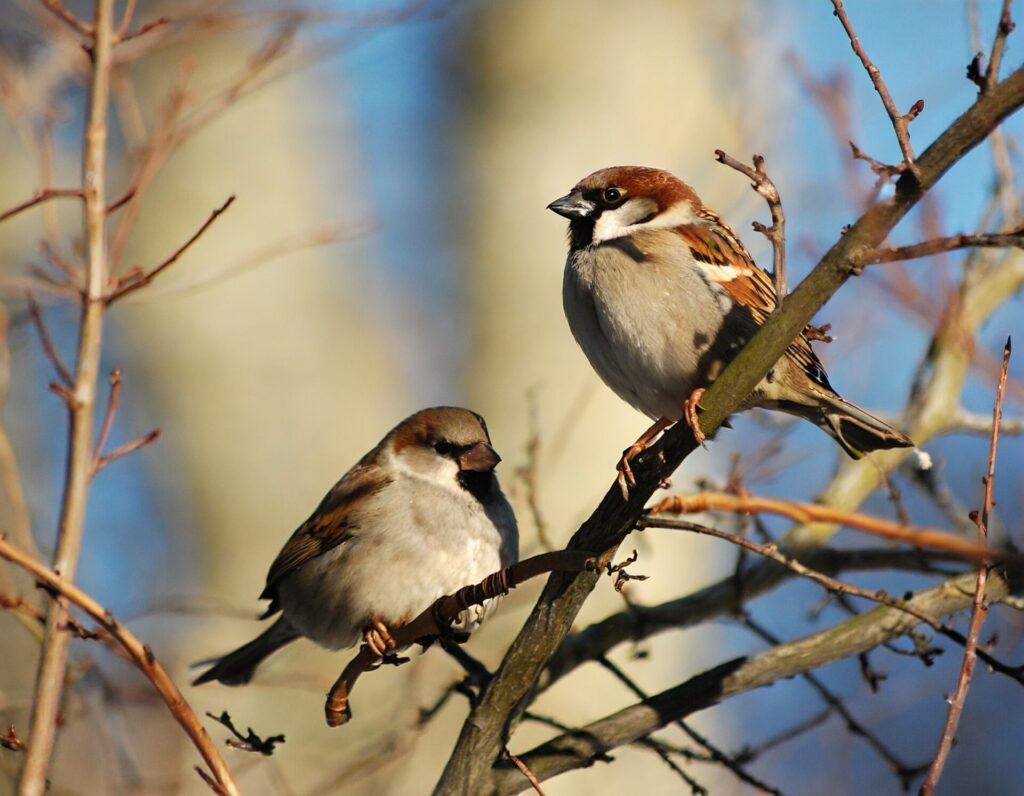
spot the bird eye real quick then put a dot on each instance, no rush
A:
(611, 195)
(444, 448)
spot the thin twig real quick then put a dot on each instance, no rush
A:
(939, 245)
(250, 742)
(772, 552)
(39, 197)
(145, 278)
(108, 419)
(776, 233)
(979, 607)
(62, 13)
(126, 20)
(717, 755)
(900, 121)
(128, 447)
(141, 655)
(906, 773)
(534, 783)
(1003, 29)
(809, 512)
(44, 337)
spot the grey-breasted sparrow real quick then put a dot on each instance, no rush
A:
(420, 516)
(660, 294)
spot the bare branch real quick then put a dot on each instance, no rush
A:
(140, 654)
(143, 279)
(979, 606)
(1005, 27)
(977, 423)
(939, 245)
(129, 447)
(810, 512)
(900, 122)
(43, 195)
(108, 418)
(434, 620)
(44, 337)
(776, 233)
(57, 8)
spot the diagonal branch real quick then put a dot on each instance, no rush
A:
(39, 197)
(140, 654)
(900, 121)
(811, 512)
(979, 606)
(482, 738)
(584, 745)
(939, 245)
(144, 279)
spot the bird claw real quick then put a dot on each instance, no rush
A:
(378, 638)
(626, 479)
(690, 408)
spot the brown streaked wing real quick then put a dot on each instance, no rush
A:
(328, 526)
(726, 261)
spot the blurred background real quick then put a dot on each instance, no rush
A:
(390, 249)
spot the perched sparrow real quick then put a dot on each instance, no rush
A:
(420, 516)
(660, 294)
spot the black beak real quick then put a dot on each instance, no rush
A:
(573, 206)
(481, 458)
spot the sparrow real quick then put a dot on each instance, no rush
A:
(418, 517)
(661, 294)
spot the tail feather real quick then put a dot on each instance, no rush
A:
(237, 668)
(856, 430)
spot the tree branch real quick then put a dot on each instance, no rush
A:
(810, 512)
(39, 197)
(78, 473)
(979, 606)
(776, 233)
(939, 245)
(481, 740)
(900, 121)
(140, 654)
(583, 746)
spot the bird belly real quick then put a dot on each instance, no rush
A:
(393, 568)
(650, 349)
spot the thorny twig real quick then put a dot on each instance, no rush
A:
(980, 607)
(250, 742)
(900, 121)
(776, 233)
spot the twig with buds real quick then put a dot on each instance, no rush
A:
(776, 233)
(900, 121)
(979, 607)
(927, 248)
(436, 619)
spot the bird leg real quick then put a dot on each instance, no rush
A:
(690, 408)
(626, 479)
(378, 638)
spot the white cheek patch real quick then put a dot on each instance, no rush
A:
(630, 218)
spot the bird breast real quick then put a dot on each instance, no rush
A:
(646, 318)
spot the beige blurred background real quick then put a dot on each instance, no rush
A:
(269, 384)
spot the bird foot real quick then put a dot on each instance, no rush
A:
(378, 638)
(690, 408)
